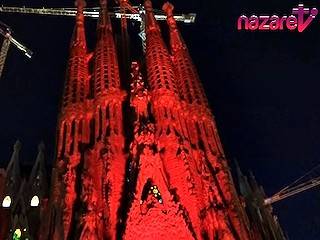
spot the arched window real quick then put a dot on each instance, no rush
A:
(35, 201)
(6, 203)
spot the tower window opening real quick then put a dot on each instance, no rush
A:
(6, 203)
(35, 201)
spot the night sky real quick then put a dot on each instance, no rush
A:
(263, 88)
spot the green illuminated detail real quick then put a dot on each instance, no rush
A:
(16, 234)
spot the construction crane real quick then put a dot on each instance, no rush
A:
(302, 184)
(94, 13)
(125, 12)
(6, 32)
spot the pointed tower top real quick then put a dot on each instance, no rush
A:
(104, 19)
(253, 182)
(41, 147)
(151, 22)
(176, 40)
(148, 5)
(103, 3)
(76, 84)
(244, 186)
(239, 172)
(14, 161)
(251, 175)
(79, 34)
(13, 177)
(80, 4)
(168, 9)
(17, 146)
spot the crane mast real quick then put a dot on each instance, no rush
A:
(3, 54)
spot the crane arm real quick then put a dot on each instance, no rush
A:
(21, 47)
(7, 35)
(5, 31)
(291, 191)
(94, 13)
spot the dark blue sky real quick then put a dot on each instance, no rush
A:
(263, 88)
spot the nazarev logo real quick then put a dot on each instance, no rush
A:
(300, 18)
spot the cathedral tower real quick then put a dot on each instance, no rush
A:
(23, 202)
(168, 177)
(73, 128)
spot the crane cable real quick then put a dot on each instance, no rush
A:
(300, 178)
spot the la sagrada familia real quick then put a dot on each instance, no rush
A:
(137, 162)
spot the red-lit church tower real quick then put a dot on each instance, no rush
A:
(167, 177)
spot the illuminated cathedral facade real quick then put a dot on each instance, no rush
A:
(137, 162)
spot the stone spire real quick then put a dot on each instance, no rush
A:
(103, 175)
(72, 126)
(13, 175)
(159, 66)
(37, 183)
(189, 83)
(106, 68)
(72, 123)
(77, 72)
